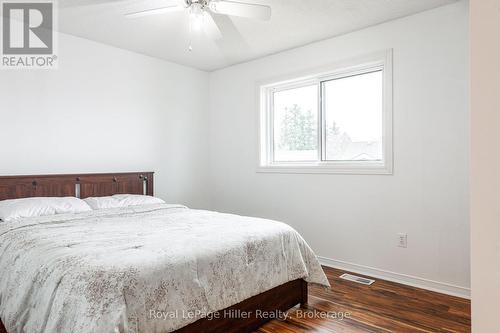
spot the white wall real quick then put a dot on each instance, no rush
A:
(108, 110)
(485, 165)
(353, 218)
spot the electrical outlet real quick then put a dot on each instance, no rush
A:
(403, 240)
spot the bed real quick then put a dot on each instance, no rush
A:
(155, 268)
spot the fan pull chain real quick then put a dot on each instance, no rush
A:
(190, 47)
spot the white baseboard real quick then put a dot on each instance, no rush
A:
(440, 287)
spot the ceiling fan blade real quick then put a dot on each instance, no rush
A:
(233, 46)
(154, 11)
(241, 9)
(211, 28)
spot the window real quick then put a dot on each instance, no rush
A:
(338, 121)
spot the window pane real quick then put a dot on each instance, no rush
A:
(296, 124)
(353, 118)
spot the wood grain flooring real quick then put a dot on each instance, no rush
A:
(382, 307)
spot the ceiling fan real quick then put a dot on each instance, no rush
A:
(200, 13)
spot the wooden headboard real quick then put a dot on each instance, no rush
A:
(77, 185)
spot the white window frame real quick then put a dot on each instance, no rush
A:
(360, 65)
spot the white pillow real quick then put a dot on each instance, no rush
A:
(14, 209)
(122, 200)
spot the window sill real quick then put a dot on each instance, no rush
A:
(328, 169)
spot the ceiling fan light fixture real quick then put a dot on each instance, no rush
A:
(202, 14)
(196, 16)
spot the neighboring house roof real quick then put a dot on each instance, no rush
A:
(357, 151)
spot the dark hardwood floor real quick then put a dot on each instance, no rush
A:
(382, 307)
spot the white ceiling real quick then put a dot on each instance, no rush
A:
(294, 23)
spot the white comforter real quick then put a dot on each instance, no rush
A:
(118, 270)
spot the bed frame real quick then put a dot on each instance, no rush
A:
(280, 298)
(82, 186)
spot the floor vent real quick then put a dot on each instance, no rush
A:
(357, 279)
